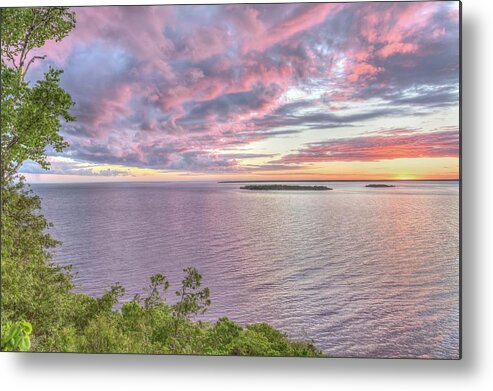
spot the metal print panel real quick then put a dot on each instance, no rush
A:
(236, 179)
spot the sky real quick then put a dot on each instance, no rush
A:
(258, 92)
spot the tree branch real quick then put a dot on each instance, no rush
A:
(25, 51)
(30, 62)
(12, 142)
(11, 58)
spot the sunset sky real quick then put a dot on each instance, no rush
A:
(274, 91)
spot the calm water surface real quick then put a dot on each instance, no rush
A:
(361, 272)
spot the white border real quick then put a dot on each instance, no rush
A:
(473, 372)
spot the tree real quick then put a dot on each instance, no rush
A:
(31, 115)
(154, 297)
(192, 300)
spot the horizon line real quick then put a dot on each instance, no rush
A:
(346, 180)
(251, 181)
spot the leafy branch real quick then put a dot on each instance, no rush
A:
(17, 336)
(31, 116)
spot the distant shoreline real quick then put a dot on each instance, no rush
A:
(284, 187)
(344, 180)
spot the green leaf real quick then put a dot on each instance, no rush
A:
(24, 344)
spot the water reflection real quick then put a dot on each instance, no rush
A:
(362, 272)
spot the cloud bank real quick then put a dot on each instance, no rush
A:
(173, 87)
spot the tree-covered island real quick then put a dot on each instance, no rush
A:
(284, 187)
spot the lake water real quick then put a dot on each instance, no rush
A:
(361, 272)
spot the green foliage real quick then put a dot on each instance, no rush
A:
(16, 336)
(33, 288)
(154, 298)
(86, 324)
(24, 29)
(111, 297)
(193, 300)
(141, 328)
(31, 115)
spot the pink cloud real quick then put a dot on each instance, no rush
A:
(303, 19)
(363, 69)
(396, 48)
(398, 144)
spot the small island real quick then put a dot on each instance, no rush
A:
(284, 187)
(378, 185)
